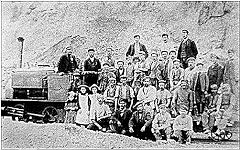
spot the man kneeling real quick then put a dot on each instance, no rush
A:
(100, 115)
(161, 126)
(183, 126)
(119, 120)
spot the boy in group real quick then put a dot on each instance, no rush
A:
(100, 116)
(153, 69)
(176, 75)
(124, 93)
(172, 57)
(183, 126)
(163, 96)
(120, 119)
(161, 126)
(140, 123)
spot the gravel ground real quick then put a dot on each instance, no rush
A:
(31, 135)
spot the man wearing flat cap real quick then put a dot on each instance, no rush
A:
(121, 70)
(190, 70)
(176, 75)
(124, 93)
(199, 85)
(147, 95)
(161, 126)
(67, 62)
(91, 67)
(140, 123)
(215, 71)
(136, 48)
(186, 49)
(183, 126)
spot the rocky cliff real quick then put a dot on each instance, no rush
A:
(48, 27)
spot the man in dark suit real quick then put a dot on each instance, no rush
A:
(67, 62)
(91, 67)
(186, 49)
(136, 47)
(120, 70)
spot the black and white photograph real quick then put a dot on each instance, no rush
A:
(120, 75)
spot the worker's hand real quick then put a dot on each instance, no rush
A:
(119, 123)
(131, 130)
(143, 129)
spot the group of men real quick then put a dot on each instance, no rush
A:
(144, 94)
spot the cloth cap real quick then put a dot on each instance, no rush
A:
(91, 50)
(162, 81)
(83, 85)
(183, 108)
(176, 60)
(112, 79)
(214, 87)
(94, 85)
(191, 59)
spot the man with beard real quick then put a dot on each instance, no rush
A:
(91, 67)
(182, 97)
(140, 123)
(120, 119)
(67, 62)
(120, 70)
(186, 49)
(136, 48)
(163, 96)
(147, 95)
(215, 72)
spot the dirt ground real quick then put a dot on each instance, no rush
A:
(31, 135)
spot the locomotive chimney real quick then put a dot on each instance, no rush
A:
(21, 39)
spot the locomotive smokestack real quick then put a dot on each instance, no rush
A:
(21, 39)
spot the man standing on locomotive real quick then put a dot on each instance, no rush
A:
(91, 67)
(67, 62)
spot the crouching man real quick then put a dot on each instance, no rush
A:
(140, 123)
(120, 119)
(100, 116)
(183, 126)
(161, 127)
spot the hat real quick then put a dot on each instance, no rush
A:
(106, 63)
(143, 69)
(184, 81)
(172, 50)
(112, 79)
(142, 52)
(89, 50)
(154, 52)
(162, 81)
(120, 61)
(199, 63)
(137, 71)
(134, 58)
(147, 77)
(83, 85)
(191, 59)
(214, 87)
(94, 85)
(69, 48)
(230, 51)
(137, 104)
(176, 60)
(123, 76)
(183, 108)
(164, 51)
(162, 106)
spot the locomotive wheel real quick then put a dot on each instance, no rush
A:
(215, 137)
(228, 135)
(21, 106)
(50, 114)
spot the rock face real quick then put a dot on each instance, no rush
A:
(48, 27)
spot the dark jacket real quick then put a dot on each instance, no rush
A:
(215, 74)
(131, 50)
(67, 64)
(123, 119)
(118, 74)
(91, 79)
(190, 49)
(137, 122)
(204, 81)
